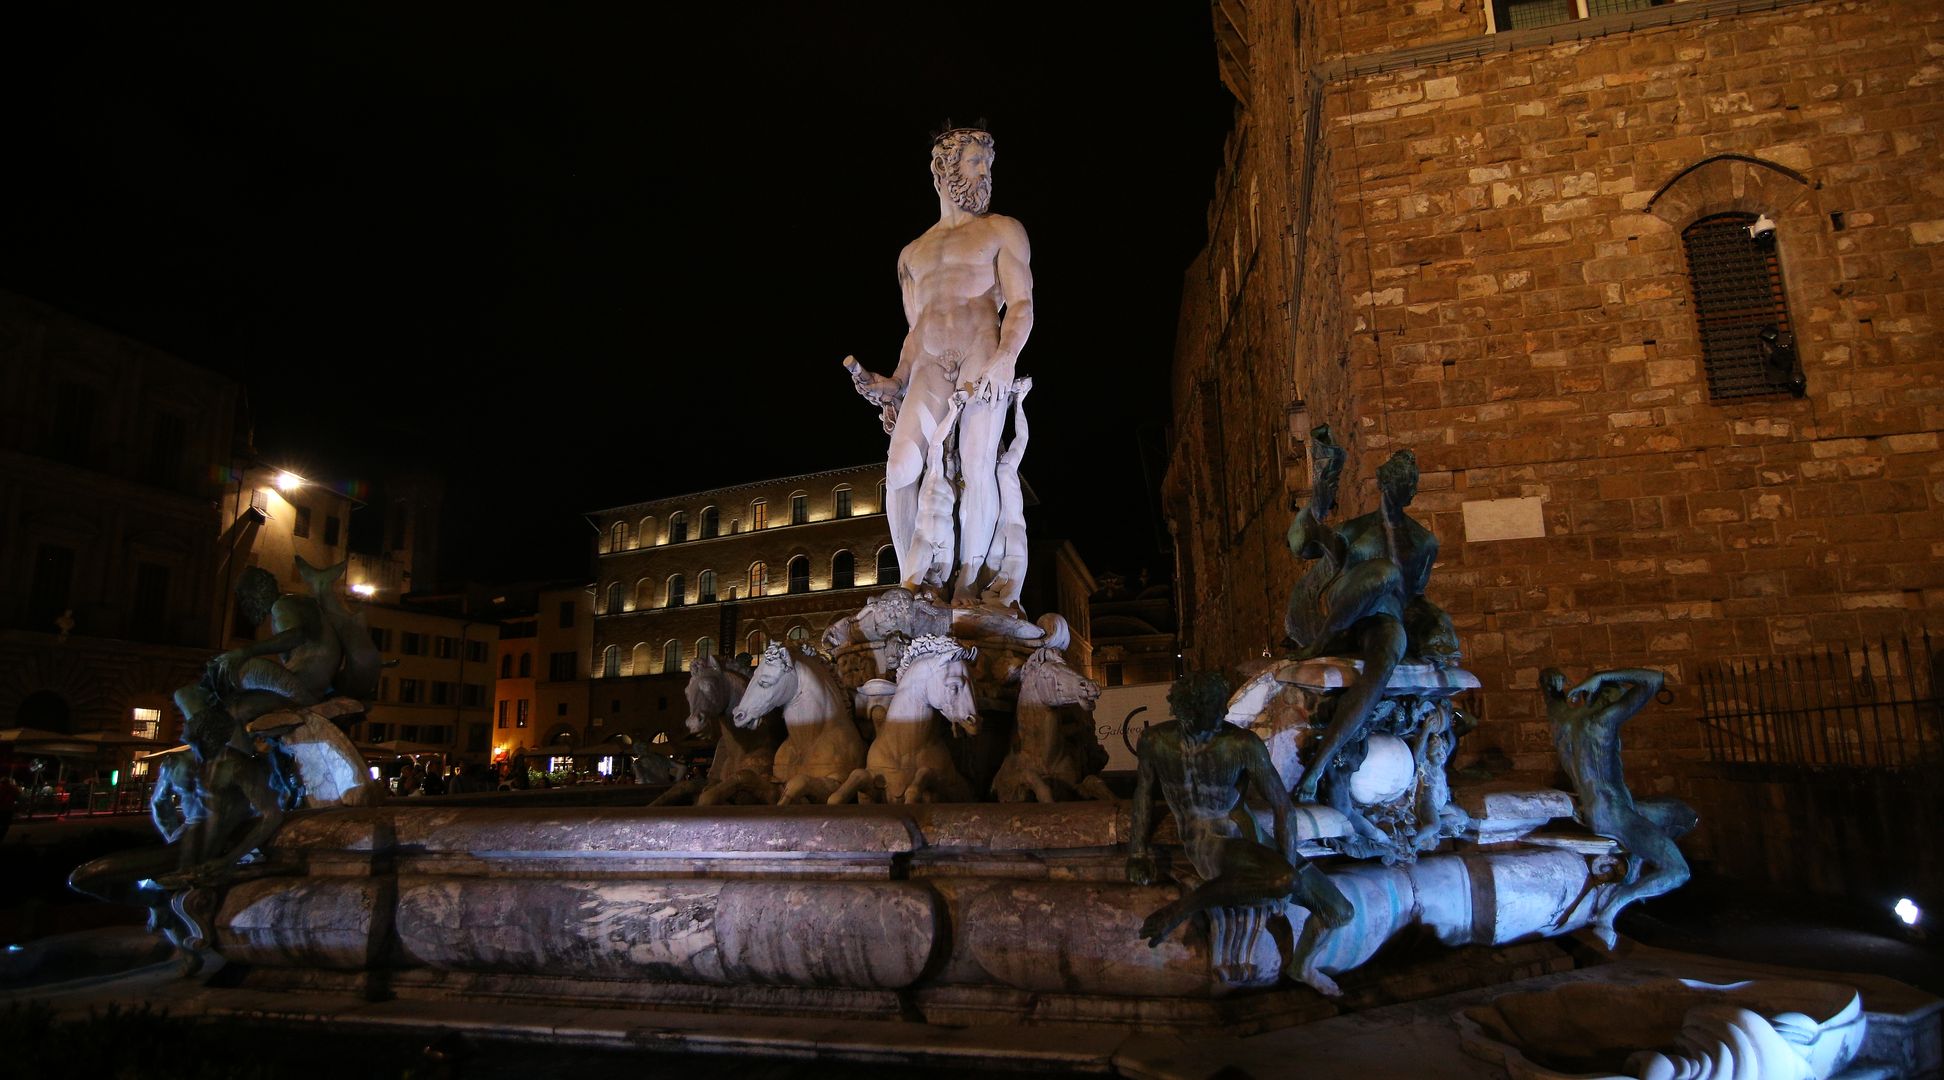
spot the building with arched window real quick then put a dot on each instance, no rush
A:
(790, 564)
(1652, 296)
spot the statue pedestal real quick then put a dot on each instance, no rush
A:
(1392, 788)
(959, 913)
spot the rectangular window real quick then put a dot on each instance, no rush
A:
(146, 724)
(1528, 14)
(379, 732)
(526, 665)
(75, 406)
(560, 667)
(560, 709)
(411, 643)
(381, 639)
(441, 693)
(473, 695)
(408, 733)
(409, 691)
(331, 527)
(566, 614)
(1740, 308)
(384, 688)
(799, 509)
(445, 648)
(759, 514)
(301, 525)
(148, 619)
(475, 738)
(475, 652)
(843, 502)
(502, 714)
(53, 580)
(164, 464)
(524, 710)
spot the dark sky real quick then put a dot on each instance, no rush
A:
(580, 260)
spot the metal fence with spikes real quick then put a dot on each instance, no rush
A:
(1869, 706)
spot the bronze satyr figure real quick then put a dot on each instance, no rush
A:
(1586, 731)
(1200, 764)
(1364, 589)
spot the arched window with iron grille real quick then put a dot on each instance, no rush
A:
(1740, 310)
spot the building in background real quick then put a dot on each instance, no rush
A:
(113, 455)
(1133, 628)
(729, 570)
(1650, 290)
(563, 649)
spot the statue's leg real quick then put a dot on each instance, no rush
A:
(849, 789)
(1380, 640)
(1093, 787)
(794, 789)
(1643, 841)
(1250, 874)
(1674, 817)
(979, 429)
(684, 792)
(192, 700)
(264, 674)
(920, 786)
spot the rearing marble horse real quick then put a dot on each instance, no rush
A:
(909, 761)
(712, 692)
(822, 747)
(1048, 759)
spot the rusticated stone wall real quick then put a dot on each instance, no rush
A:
(1493, 277)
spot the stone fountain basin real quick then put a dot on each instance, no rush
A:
(1593, 1029)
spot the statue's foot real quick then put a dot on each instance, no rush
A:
(1604, 931)
(1319, 982)
(1159, 925)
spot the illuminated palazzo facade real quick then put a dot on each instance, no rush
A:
(730, 570)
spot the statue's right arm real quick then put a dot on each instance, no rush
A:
(908, 292)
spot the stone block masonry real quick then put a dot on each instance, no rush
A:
(1474, 250)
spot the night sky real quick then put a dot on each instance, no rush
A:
(576, 261)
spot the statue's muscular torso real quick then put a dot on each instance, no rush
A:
(952, 291)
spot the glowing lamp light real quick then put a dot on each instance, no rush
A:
(365, 589)
(289, 481)
(15, 949)
(1907, 911)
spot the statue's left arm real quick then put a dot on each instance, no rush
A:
(1013, 266)
(1641, 685)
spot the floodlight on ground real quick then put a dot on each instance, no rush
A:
(289, 481)
(1907, 911)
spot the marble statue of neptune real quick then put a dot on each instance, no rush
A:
(968, 300)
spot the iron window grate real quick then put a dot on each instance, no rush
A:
(1739, 308)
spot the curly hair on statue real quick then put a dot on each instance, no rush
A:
(1199, 697)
